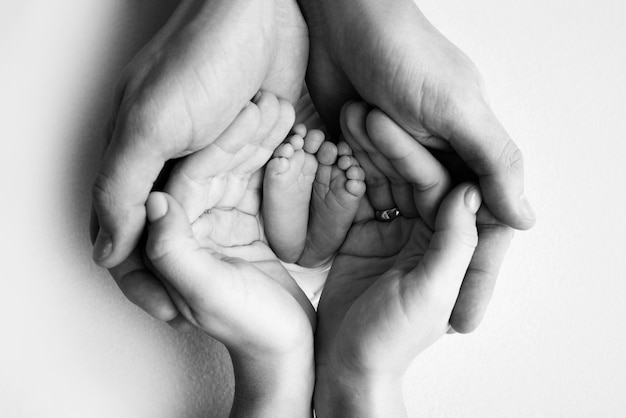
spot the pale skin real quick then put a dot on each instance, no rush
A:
(388, 54)
(178, 95)
(393, 285)
(220, 174)
(229, 283)
(161, 113)
(389, 294)
(213, 56)
(224, 279)
(311, 194)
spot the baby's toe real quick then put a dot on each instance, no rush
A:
(355, 187)
(277, 165)
(327, 153)
(284, 151)
(313, 141)
(299, 129)
(355, 173)
(343, 148)
(347, 161)
(296, 141)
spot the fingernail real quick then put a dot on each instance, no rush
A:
(473, 199)
(156, 206)
(103, 247)
(527, 210)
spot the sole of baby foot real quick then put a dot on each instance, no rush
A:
(287, 186)
(337, 192)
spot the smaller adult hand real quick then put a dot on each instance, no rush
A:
(225, 280)
(389, 295)
(393, 285)
(402, 173)
(215, 177)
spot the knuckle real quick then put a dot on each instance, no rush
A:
(138, 115)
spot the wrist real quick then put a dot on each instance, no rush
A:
(273, 386)
(342, 393)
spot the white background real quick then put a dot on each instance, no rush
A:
(552, 343)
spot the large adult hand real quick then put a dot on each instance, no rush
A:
(226, 280)
(176, 97)
(388, 54)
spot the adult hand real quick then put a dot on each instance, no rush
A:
(225, 280)
(175, 98)
(388, 54)
(221, 172)
(389, 295)
(402, 173)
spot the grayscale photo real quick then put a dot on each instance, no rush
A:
(313, 208)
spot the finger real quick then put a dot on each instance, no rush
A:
(480, 280)
(251, 200)
(480, 139)
(413, 162)
(142, 287)
(180, 324)
(306, 113)
(435, 281)
(257, 155)
(198, 182)
(455, 166)
(400, 189)
(276, 120)
(384, 239)
(138, 283)
(197, 275)
(280, 130)
(119, 204)
(353, 128)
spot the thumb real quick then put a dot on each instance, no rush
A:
(482, 142)
(439, 274)
(178, 257)
(122, 185)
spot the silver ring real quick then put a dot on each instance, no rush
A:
(387, 215)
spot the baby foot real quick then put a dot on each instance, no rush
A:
(337, 191)
(311, 194)
(287, 187)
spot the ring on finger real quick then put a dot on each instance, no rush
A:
(387, 215)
